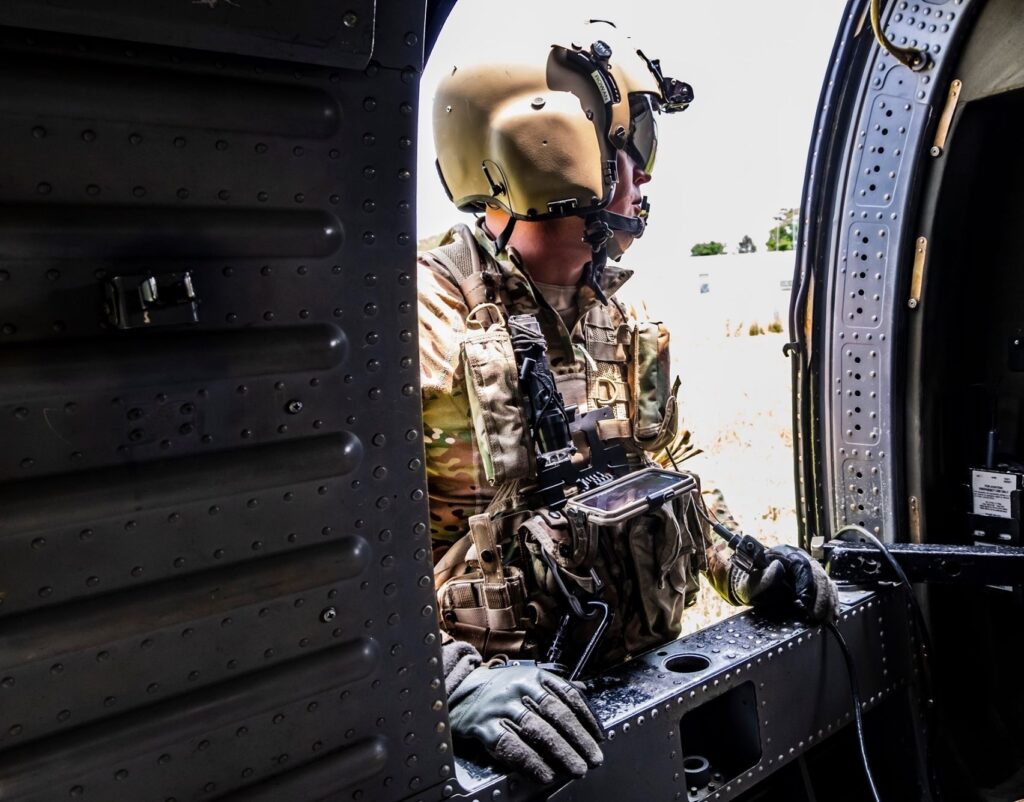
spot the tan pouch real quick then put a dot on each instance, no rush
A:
(655, 408)
(649, 566)
(494, 401)
(486, 605)
(472, 599)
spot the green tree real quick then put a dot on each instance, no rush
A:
(783, 233)
(707, 248)
(746, 245)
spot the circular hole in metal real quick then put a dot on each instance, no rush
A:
(687, 663)
(951, 567)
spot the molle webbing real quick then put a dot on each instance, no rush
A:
(462, 260)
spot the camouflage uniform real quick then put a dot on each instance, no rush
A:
(589, 364)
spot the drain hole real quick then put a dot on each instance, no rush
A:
(687, 663)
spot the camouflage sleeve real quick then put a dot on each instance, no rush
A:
(442, 325)
(719, 560)
(719, 571)
(456, 489)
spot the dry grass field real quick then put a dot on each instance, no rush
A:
(736, 399)
(735, 394)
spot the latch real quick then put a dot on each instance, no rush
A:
(164, 299)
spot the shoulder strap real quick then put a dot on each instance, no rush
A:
(461, 258)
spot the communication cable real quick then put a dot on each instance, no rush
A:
(924, 639)
(855, 694)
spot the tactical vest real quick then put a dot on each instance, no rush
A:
(495, 588)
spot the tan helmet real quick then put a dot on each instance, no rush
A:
(537, 136)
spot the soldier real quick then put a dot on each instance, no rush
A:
(552, 155)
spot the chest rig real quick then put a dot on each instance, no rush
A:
(517, 581)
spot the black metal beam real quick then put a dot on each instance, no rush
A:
(973, 565)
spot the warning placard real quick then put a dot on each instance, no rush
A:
(991, 493)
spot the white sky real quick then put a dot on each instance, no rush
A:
(727, 164)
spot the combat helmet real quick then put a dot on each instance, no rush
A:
(537, 136)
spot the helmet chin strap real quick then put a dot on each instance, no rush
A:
(598, 231)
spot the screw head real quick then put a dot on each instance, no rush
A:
(294, 407)
(328, 614)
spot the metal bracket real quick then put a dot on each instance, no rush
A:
(917, 280)
(165, 299)
(946, 120)
(915, 520)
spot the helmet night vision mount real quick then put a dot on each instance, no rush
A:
(538, 138)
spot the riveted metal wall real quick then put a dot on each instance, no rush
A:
(214, 563)
(875, 249)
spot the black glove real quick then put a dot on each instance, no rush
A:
(529, 719)
(792, 582)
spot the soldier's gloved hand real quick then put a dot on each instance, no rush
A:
(792, 582)
(529, 719)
